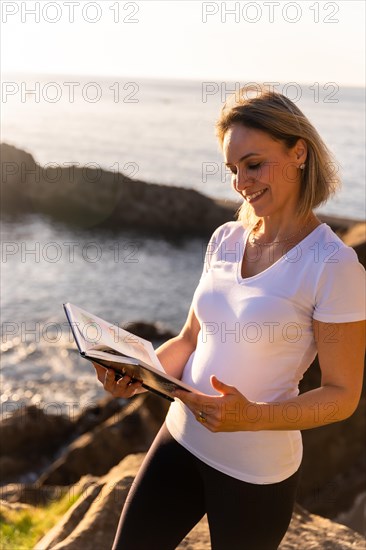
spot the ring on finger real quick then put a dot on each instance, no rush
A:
(201, 417)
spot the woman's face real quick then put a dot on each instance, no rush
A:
(264, 171)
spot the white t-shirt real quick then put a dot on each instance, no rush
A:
(256, 334)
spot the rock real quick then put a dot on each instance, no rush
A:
(355, 234)
(95, 452)
(29, 439)
(338, 224)
(55, 441)
(86, 197)
(356, 237)
(91, 417)
(16, 165)
(11, 467)
(94, 525)
(45, 436)
(106, 509)
(29, 427)
(31, 493)
(74, 516)
(313, 532)
(333, 467)
(333, 464)
(14, 506)
(355, 517)
(35, 494)
(154, 332)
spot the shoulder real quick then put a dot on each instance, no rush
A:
(227, 230)
(332, 250)
(340, 285)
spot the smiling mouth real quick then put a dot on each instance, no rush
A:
(253, 196)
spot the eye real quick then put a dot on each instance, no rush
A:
(254, 166)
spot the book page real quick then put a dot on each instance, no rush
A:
(98, 334)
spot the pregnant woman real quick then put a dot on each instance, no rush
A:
(277, 288)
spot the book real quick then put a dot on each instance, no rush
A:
(114, 348)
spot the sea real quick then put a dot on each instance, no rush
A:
(159, 131)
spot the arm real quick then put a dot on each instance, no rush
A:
(341, 358)
(174, 353)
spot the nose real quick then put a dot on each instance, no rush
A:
(241, 180)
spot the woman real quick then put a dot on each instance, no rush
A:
(278, 286)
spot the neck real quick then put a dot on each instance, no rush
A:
(268, 230)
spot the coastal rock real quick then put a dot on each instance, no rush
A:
(333, 466)
(15, 506)
(356, 515)
(88, 197)
(29, 439)
(356, 237)
(16, 166)
(94, 525)
(95, 452)
(313, 532)
(92, 416)
(34, 494)
(31, 493)
(98, 520)
(34, 442)
(154, 332)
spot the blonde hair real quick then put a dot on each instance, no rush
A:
(271, 112)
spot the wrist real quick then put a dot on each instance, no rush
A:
(254, 416)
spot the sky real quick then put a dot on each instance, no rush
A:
(305, 41)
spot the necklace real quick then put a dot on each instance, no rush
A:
(253, 239)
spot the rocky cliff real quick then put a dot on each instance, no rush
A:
(90, 197)
(92, 521)
(100, 462)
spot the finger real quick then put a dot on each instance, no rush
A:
(100, 372)
(221, 387)
(130, 389)
(125, 387)
(207, 421)
(126, 382)
(109, 381)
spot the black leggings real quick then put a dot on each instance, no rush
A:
(174, 489)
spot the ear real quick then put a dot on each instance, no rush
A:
(300, 150)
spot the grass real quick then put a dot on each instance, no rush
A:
(21, 529)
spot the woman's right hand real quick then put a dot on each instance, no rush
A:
(120, 388)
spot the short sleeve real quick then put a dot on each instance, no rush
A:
(340, 293)
(213, 248)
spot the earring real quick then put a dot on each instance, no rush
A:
(302, 166)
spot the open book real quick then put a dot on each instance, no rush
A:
(125, 353)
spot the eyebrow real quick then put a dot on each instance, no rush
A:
(243, 158)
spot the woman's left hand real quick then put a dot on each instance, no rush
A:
(229, 412)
